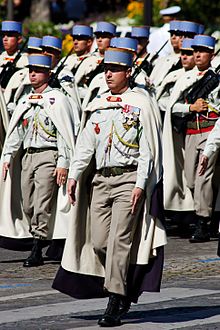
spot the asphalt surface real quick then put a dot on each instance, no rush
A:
(189, 297)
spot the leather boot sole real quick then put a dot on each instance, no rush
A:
(107, 321)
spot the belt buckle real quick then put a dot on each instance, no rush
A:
(106, 171)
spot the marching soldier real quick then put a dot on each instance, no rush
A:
(11, 33)
(93, 65)
(19, 84)
(124, 137)
(98, 84)
(200, 116)
(82, 43)
(141, 33)
(165, 89)
(42, 129)
(161, 36)
(163, 66)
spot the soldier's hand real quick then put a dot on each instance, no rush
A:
(199, 106)
(135, 198)
(61, 174)
(71, 189)
(6, 166)
(203, 164)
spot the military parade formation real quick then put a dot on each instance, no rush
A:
(100, 148)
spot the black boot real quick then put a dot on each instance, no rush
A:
(111, 317)
(201, 233)
(124, 306)
(35, 259)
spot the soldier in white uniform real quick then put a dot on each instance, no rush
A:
(93, 65)
(11, 33)
(165, 89)
(19, 84)
(64, 80)
(82, 42)
(98, 84)
(165, 65)
(159, 37)
(141, 33)
(37, 126)
(123, 136)
(201, 115)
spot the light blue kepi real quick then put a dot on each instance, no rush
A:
(140, 32)
(105, 27)
(187, 44)
(203, 40)
(11, 26)
(82, 31)
(40, 60)
(125, 43)
(118, 56)
(34, 43)
(52, 42)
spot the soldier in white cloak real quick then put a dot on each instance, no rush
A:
(11, 33)
(82, 42)
(200, 115)
(93, 65)
(165, 89)
(121, 236)
(161, 35)
(165, 65)
(19, 84)
(39, 142)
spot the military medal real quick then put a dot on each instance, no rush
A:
(97, 128)
(25, 122)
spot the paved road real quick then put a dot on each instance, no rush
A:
(189, 299)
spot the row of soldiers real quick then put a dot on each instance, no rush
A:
(114, 130)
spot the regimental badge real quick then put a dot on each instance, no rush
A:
(9, 59)
(97, 128)
(52, 100)
(35, 97)
(114, 99)
(130, 116)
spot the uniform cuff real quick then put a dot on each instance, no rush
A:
(7, 158)
(140, 183)
(63, 163)
(74, 175)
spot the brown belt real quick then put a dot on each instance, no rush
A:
(32, 150)
(116, 170)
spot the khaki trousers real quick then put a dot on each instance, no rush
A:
(112, 226)
(200, 185)
(39, 190)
